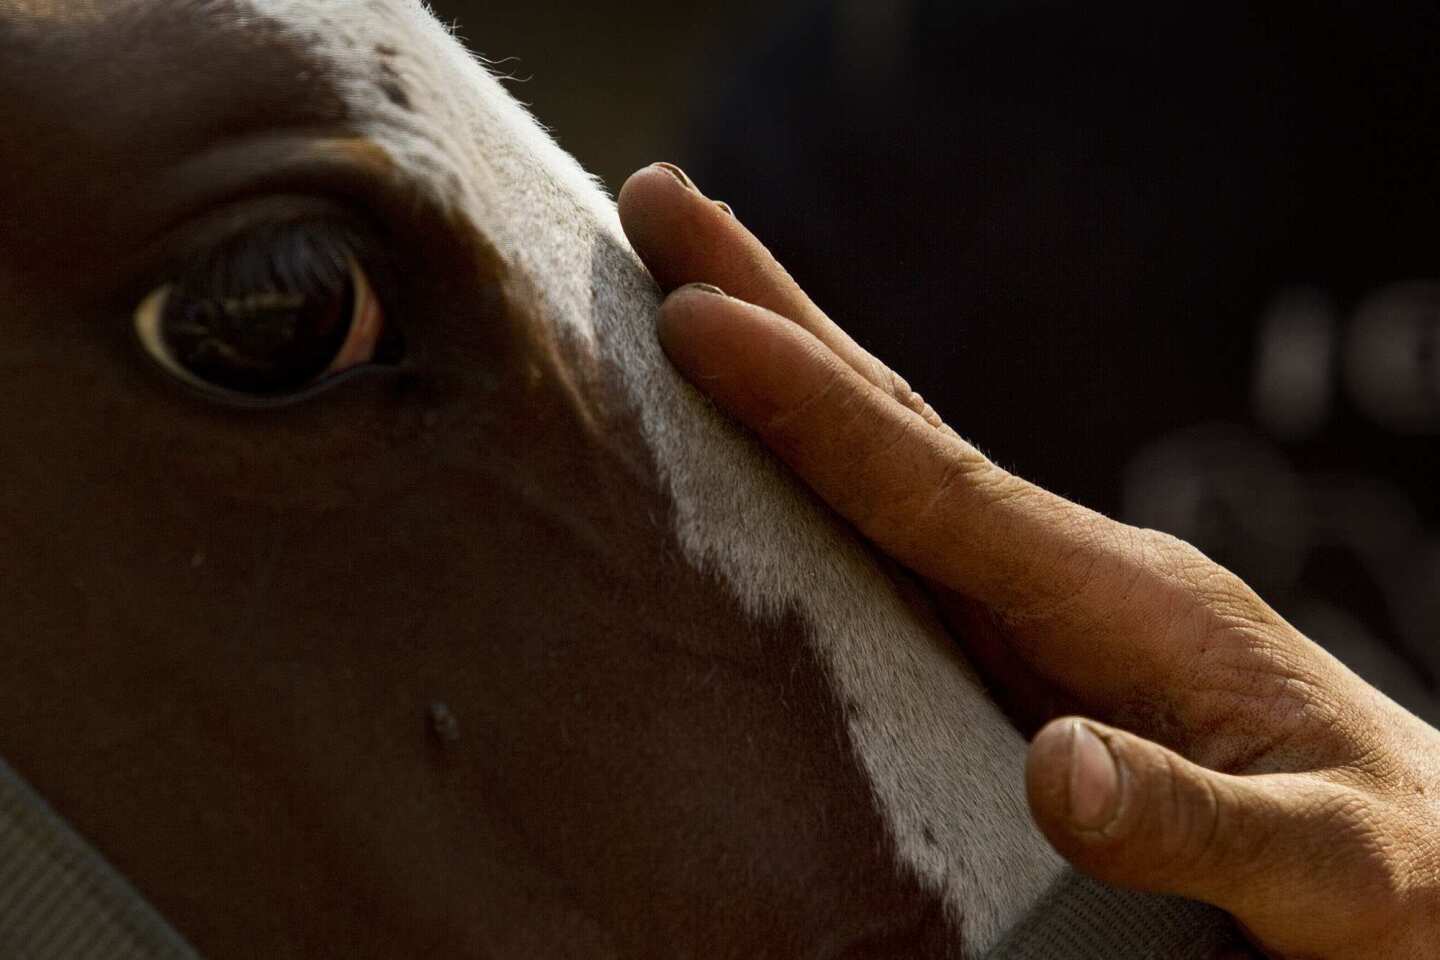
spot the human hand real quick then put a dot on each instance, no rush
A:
(1229, 758)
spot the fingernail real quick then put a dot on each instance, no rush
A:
(678, 174)
(709, 288)
(725, 206)
(1094, 779)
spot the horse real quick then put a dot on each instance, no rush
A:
(374, 588)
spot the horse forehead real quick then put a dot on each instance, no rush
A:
(414, 90)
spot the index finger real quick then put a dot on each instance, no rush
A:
(925, 496)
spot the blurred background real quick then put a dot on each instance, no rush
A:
(1180, 262)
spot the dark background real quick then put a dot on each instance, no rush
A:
(1178, 262)
(618, 83)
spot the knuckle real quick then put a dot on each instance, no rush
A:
(1190, 825)
(1172, 829)
(929, 414)
(1214, 827)
(826, 393)
(878, 483)
(971, 474)
(1192, 581)
(1256, 705)
(898, 387)
(1091, 573)
(1184, 566)
(1192, 822)
(960, 478)
(1253, 694)
(1225, 832)
(1192, 576)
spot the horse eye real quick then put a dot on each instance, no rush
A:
(268, 320)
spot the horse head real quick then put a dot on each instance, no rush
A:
(372, 584)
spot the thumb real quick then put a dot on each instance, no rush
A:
(1135, 814)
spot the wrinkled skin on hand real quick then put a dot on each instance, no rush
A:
(1224, 756)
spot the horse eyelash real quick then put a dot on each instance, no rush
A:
(306, 257)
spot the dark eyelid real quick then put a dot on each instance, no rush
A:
(345, 168)
(278, 177)
(197, 239)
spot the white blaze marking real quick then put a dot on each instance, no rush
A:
(945, 766)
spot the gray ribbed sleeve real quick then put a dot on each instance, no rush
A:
(1081, 919)
(59, 900)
